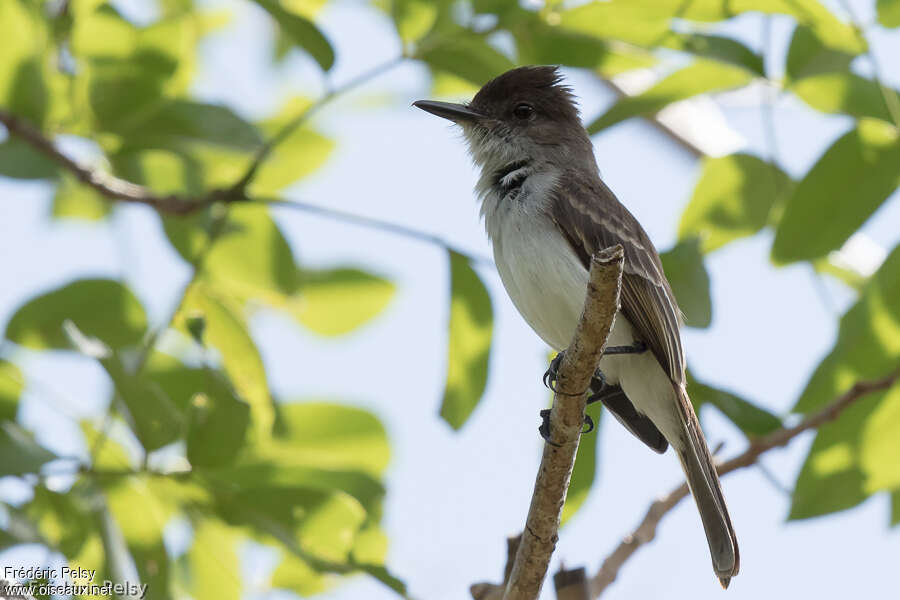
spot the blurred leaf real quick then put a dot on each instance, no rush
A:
(845, 93)
(329, 436)
(215, 565)
(868, 342)
(101, 308)
(296, 575)
(25, 38)
(302, 31)
(463, 54)
(895, 508)
(889, 13)
(142, 516)
(733, 198)
(20, 161)
(715, 47)
(469, 342)
(413, 18)
(297, 156)
(12, 383)
(751, 419)
(217, 426)
(807, 56)
(370, 546)
(686, 272)
(329, 527)
(155, 420)
(848, 276)
(851, 458)
(334, 302)
(648, 22)
(74, 200)
(175, 123)
(227, 331)
(19, 453)
(863, 165)
(106, 453)
(585, 471)
(700, 77)
(540, 43)
(63, 519)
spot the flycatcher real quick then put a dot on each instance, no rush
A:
(546, 212)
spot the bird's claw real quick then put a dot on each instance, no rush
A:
(551, 375)
(544, 429)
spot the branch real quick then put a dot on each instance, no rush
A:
(566, 420)
(107, 185)
(646, 531)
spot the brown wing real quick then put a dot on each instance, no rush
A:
(591, 218)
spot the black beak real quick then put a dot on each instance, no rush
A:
(448, 110)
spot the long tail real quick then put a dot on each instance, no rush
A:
(703, 482)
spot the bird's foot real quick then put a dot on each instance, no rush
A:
(598, 387)
(544, 429)
(637, 347)
(551, 375)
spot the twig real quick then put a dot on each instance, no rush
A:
(566, 420)
(646, 531)
(572, 584)
(107, 185)
(291, 126)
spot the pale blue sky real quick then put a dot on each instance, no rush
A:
(453, 497)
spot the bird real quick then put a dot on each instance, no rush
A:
(546, 211)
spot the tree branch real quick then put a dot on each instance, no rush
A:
(646, 531)
(566, 420)
(107, 185)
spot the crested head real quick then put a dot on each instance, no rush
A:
(526, 114)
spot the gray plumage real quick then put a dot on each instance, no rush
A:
(546, 211)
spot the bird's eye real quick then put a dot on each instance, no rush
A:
(523, 111)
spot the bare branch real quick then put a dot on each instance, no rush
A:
(646, 531)
(566, 420)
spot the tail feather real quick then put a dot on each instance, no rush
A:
(703, 481)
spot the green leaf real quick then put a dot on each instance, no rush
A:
(19, 453)
(540, 43)
(215, 567)
(20, 161)
(686, 272)
(807, 56)
(250, 258)
(753, 420)
(100, 308)
(469, 342)
(851, 458)
(844, 93)
(863, 165)
(12, 383)
(330, 436)
(700, 77)
(888, 13)
(155, 420)
(413, 18)
(25, 39)
(733, 198)
(296, 575)
(715, 47)
(585, 471)
(868, 343)
(217, 425)
(106, 453)
(63, 519)
(301, 153)
(302, 31)
(175, 123)
(463, 54)
(337, 301)
(226, 330)
(74, 200)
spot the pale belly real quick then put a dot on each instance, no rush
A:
(547, 284)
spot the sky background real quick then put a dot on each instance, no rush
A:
(453, 497)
